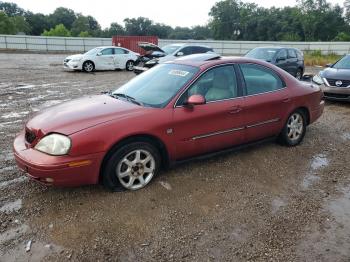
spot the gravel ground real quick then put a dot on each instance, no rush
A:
(264, 203)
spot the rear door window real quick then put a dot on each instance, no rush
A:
(259, 79)
(291, 53)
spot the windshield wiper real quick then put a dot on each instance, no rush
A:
(128, 98)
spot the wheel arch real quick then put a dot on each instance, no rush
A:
(88, 60)
(155, 141)
(306, 112)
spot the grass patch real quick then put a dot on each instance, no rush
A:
(316, 58)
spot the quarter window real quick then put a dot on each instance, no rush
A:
(291, 53)
(216, 84)
(259, 79)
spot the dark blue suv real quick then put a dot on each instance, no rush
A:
(289, 59)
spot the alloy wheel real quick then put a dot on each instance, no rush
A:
(136, 169)
(295, 126)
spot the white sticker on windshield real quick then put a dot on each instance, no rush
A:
(178, 73)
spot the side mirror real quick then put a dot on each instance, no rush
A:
(180, 53)
(99, 54)
(194, 100)
(328, 65)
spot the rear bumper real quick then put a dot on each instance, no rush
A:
(56, 170)
(336, 93)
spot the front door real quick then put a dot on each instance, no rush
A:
(282, 60)
(215, 125)
(105, 59)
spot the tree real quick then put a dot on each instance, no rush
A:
(20, 24)
(347, 10)
(81, 24)
(38, 23)
(11, 9)
(63, 16)
(6, 25)
(84, 34)
(59, 30)
(137, 26)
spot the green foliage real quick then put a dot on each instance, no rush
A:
(342, 37)
(316, 58)
(59, 30)
(309, 20)
(11, 9)
(84, 34)
(6, 25)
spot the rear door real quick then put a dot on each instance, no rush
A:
(120, 57)
(266, 98)
(212, 126)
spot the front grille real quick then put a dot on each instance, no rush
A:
(332, 82)
(30, 136)
(66, 60)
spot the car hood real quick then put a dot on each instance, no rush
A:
(76, 115)
(333, 73)
(78, 56)
(150, 47)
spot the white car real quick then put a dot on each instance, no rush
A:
(102, 58)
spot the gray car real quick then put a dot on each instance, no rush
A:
(335, 80)
(289, 59)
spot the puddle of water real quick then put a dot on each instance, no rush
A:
(38, 252)
(276, 204)
(5, 169)
(24, 86)
(13, 233)
(11, 206)
(309, 180)
(329, 242)
(13, 181)
(319, 161)
(15, 114)
(346, 136)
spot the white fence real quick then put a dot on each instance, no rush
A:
(79, 44)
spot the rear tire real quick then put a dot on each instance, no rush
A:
(131, 167)
(294, 130)
(88, 66)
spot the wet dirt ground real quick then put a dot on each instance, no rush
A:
(264, 203)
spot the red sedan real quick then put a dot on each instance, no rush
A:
(173, 112)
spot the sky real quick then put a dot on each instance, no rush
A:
(170, 12)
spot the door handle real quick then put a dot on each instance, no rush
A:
(235, 110)
(286, 100)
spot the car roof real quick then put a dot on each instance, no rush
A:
(189, 44)
(110, 46)
(217, 61)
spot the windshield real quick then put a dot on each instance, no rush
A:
(169, 49)
(157, 86)
(343, 63)
(266, 54)
(93, 51)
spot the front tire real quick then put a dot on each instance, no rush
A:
(131, 167)
(299, 74)
(294, 130)
(88, 66)
(129, 65)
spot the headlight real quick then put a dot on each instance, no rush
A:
(54, 144)
(152, 62)
(318, 79)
